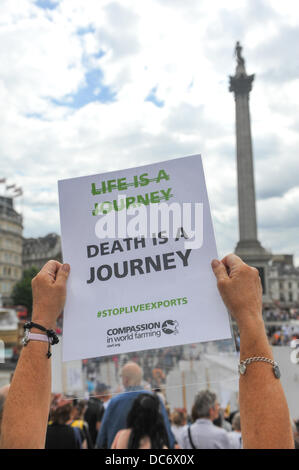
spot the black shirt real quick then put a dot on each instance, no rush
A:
(61, 436)
(93, 415)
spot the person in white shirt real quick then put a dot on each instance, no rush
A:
(203, 434)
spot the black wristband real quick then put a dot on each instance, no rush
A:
(52, 336)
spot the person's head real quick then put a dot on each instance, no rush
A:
(205, 406)
(102, 391)
(79, 408)
(220, 418)
(179, 417)
(61, 411)
(131, 375)
(236, 422)
(145, 419)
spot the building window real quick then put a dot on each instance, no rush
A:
(5, 287)
(290, 297)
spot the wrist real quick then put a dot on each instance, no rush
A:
(249, 322)
(47, 323)
(38, 331)
(253, 340)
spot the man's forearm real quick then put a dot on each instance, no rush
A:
(265, 419)
(27, 405)
(30, 392)
(268, 424)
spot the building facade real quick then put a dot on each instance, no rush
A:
(37, 251)
(11, 228)
(284, 281)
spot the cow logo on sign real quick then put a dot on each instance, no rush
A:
(170, 327)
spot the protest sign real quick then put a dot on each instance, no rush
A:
(140, 243)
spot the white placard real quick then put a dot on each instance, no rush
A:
(147, 288)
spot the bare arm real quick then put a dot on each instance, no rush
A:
(27, 405)
(265, 419)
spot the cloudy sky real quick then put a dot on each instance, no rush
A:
(88, 86)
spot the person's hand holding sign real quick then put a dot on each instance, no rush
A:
(241, 290)
(260, 393)
(49, 293)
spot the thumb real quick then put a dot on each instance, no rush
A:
(63, 273)
(219, 270)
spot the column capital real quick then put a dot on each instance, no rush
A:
(241, 84)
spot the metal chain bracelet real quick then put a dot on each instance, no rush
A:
(243, 365)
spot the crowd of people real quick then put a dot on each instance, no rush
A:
(106, 421)
(281, 325)
(277, 314)
(138, 418)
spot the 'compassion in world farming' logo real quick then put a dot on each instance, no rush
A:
(116, 336)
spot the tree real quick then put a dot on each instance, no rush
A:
(22, 292)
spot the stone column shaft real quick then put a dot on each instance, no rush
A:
(246, 189)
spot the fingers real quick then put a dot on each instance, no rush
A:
(55, 271)
(232, 261)
(51, 268)
(219, 270)
(63, 273)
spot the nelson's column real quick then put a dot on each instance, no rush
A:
(248, 247)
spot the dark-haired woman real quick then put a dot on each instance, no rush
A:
(145, 426)
(59, 434)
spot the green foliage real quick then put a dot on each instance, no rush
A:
(22, 292)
